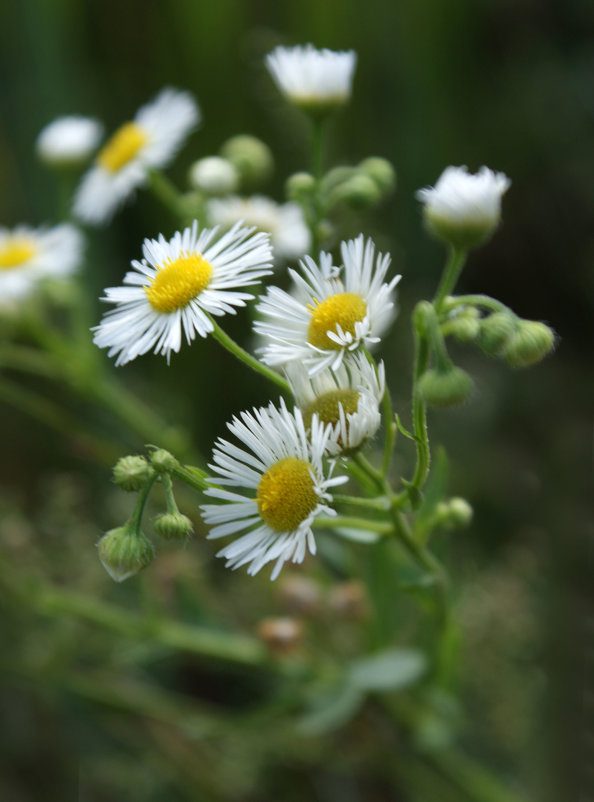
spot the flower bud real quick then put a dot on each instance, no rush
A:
(132, 473)
(455, 513)
(68, 141)
(300, 186)
(281, 635)
(359, 192)
(349, 600)
(125, 552)
(446, 387)
(464, 326)
(172, 525)
(162, 461)
(214, 176)
(463, 209)
(531, 342)
(300, 595)
(495, 332)
(251, 158)
(381, 172)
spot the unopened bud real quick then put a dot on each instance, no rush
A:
(531, 342)
(162, 461)
(281, 635)
(381, 172)
(300, 595)
(250, 156)
(495, 332)
(124, 552)
(132, 473)
(446, 387)
(173, 525)
(300, 186)
(359, 192)
(455, 513)
(214, 176)
(349, 600)
(464, 326)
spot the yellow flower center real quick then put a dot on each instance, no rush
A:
(122, 147)
(286, 494)
(327, 406)
(344, 309)
(15, 252)
(178, 281)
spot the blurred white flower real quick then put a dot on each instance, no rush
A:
(285, 222)
(68, 141)
(151, 140)
(214, 175)
(462, 208)
(313, 78)
(28, 255)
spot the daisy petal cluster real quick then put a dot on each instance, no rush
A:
(332, 311)
(68, 141)
(310, 78)
(149, 141)
(462, 208)
(176, 286)
(346, 399)
(28, 255)
(285, 223)
(270, 491)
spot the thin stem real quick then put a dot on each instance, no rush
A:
(338, 521)
(135, 519)
(422, 353)
(317, 151)
(449, 277)
(168, 194)
(192, 476)
(170, 502)
(247, 359)
(478, 300)
(381, 503)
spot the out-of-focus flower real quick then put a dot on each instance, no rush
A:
(68, 141)
(214, 176)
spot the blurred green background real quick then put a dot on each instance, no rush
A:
(507, 84)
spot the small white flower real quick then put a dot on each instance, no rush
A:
(462, 208)
(151, 140)
(214, 175)
(178, 283)
(347, 399)
(28, 255)
(283, 488)
(68, 140)
(285, 223)
(313, 78)
(333, 310)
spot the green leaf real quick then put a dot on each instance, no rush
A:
(357, 535)
(403, 430)
(389, 670)
(332, 709)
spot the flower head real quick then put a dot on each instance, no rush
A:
(151, 140)
(283, 488)
(177, 285)
(68, 140)
(333, 310)
(289, 234)
(28, 255)
(316, 80)
(464, 209)
(346, 399)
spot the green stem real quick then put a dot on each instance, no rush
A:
(168, 194)
(135, 519)
(317, 150)
(382, 503)
(352, 522)
(449, 277)
(192, 476)
(422, 353)
(223, 339)
(478, 300)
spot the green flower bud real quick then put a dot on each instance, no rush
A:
(531, 342)
(444, 388)
(337, 176)
(455, 513)
(251, 157)
(380, 171)
(464, 326)
(125, 552)
(162, 461)
(214, 176)
(300, 186)
(495, 332)
(359, 192)
(172, 525)
(132, 473)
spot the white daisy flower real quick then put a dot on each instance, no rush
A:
(177, 284)
(285, 223)
(151, 140)
(68, 141)
(346, 399)
(464, 209)
(333, 310)
(310, 78)
(28, 255)
(283, 488)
